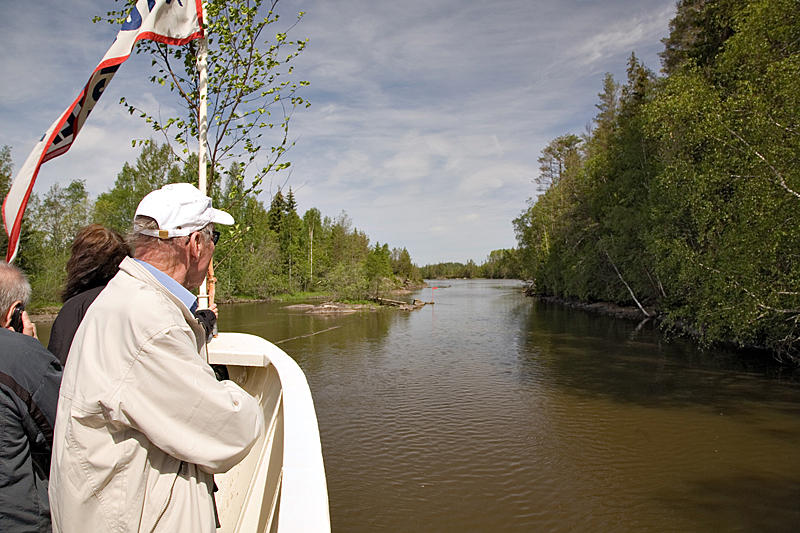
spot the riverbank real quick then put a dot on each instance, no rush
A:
(48, 314)
(604, 308)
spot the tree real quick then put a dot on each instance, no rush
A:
(402, 265)
(277, 210)
(698, 32)
(378, 267)
(251, 90)
(608, 108)
(687, 199)
(6, 173)
(291, 238)
(557, 157)
(291, 203)
(727, 221)
(61, 213)
(312, 222)
(52, 221)
(155, 166)
(502, 264)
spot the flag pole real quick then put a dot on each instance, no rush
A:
(202, 122)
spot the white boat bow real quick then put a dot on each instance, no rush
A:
(280, 486)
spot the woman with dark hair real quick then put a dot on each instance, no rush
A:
(95, 257)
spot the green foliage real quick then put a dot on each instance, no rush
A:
(501, 264)
(6, 173)
(277, 210)
(378, 269)
(347, 283)
(698, 32)
(52, 221)
(687, 198)
(557, 158)
(260, 256)
(155, 166)
(402, 266)
(451, 270)
(252, 90)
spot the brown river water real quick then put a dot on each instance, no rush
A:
(489, 411)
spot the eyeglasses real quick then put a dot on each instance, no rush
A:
(214, 236)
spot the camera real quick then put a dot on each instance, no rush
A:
(16, 317)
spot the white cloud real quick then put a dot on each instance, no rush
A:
(622, 37)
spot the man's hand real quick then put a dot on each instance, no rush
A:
(28, 327)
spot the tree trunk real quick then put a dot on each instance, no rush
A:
(626, 285)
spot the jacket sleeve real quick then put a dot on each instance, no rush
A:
(45, 397)
(172, 397)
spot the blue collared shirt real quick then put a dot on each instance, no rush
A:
(180, 292)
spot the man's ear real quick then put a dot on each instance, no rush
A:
(10, 311)
(195, 244)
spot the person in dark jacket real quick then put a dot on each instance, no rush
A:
(95, 257)
(30, 377)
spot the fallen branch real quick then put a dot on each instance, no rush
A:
(626, 285)
(644, 321)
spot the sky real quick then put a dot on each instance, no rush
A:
(427, 116)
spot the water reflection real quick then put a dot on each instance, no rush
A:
(306, 336)
(771, 502)
(599, 356)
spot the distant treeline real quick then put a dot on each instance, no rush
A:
(503, 263)
(684, 198)
(270, 250)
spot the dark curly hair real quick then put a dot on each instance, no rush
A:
(95, 257)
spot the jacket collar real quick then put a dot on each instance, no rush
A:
(179, 291)
(136, 270)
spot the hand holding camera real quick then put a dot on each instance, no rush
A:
(20, 322)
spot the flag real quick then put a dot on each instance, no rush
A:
(165, 21)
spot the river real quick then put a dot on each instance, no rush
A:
(489, 411)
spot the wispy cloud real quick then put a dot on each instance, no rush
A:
(623, 36)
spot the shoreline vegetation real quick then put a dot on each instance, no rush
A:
(271, 252)
(327, 305)
(633, 314)
(684, 194)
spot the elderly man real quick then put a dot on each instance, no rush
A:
(142, 422)
(29, 381)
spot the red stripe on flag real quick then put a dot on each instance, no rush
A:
(26, 177)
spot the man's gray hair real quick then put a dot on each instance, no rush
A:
(14, 286)
(137, 240)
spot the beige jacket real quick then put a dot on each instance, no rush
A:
(142, 423)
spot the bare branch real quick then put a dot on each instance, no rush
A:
(781, 178)
(626, 285)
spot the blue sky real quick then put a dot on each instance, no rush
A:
(427, 117)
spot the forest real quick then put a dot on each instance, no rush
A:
(683, 198)
(500, 264)
(270, 251)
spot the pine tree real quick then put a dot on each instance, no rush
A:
(277, 210)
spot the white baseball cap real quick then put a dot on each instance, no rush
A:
(179, 209)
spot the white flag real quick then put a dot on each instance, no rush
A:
(166, 21)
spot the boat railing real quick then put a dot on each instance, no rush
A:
(280, 486)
